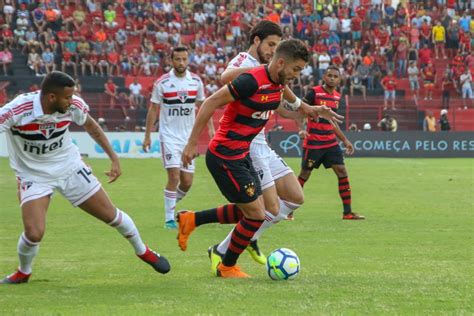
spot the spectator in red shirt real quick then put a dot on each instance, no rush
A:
(429, 77)
(389, 83)
(91, 61)
(7, 35)
(113, 59)
(69, 60)
(424, 55)
(111, 90)
(425, 33)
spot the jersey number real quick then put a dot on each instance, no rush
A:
(85, 173)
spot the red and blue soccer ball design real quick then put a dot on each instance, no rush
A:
(283, 264)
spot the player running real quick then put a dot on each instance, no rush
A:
(320, 140)
(251, 99)
(44, 159)
(175, 96)
(281, 193)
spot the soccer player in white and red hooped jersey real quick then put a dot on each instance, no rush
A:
(44, 159)
(176, 95)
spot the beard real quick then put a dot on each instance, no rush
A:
(180, 70)
(282, 77)
(261, 56)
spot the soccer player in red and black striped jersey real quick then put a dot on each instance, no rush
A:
(251, 99)
(321, 140)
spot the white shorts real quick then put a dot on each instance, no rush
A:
(76, 188)
(171, 155)
(268, 165)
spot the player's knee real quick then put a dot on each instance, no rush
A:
(341, 171)
(185, 185)
(297, 198)
(273, 207)
(34, 234)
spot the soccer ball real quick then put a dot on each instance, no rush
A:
(283, 264)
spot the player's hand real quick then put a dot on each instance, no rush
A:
(189, 153)
(326, 113)
(303, 134)
(146, 144)
(114, 172)
(349, 147)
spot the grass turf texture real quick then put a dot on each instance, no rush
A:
(413, 254)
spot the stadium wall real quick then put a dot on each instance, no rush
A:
(288, 144)
(388, 144)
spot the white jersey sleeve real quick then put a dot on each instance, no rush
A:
(200, 92)
(243, 60)
(79, 110)
(8, 118)
(157, 93)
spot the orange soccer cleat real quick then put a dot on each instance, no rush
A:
(232, 272)
(186, 225)
(353, 216)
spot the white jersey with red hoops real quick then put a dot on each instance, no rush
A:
(177, 98)
(40, 145)
(245, 60)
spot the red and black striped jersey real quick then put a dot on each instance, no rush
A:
(320, 131)
(256, 97)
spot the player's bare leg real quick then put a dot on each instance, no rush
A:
(303, 176)
(34, 222)
(100, 206)
(170, 197)
(290, 193)
(185, 183)
(345, 192)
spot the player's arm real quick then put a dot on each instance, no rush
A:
(151, 118)
(98, 135)
(343, 138)
(208, 107)
(231, 73)
(295, 103)
(210, 123)
(243, 86)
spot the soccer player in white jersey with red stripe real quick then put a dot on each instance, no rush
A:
(175, 96)
(279, 184)
(44, 159)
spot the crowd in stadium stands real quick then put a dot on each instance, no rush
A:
(373, 42)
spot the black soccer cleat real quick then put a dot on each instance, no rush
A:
(159, 263)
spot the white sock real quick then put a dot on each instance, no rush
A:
(269, 221)
(27, 251)
(180, 194)
(126, 227)
(286, 208)
(222, 247)
(170, 205)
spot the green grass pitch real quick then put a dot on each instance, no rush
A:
(413, 254)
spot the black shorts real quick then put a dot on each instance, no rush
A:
(313, 158)
(237, 179)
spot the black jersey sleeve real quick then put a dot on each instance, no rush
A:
(310, 97)
(243, 86)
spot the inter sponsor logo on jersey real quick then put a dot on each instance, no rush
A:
(180, 111)
(41, 149)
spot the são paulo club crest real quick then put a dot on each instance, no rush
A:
(182, 96)
(168, 156)
(47, 129)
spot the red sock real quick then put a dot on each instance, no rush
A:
(345, 194)
(302, 181)
(229, 214)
